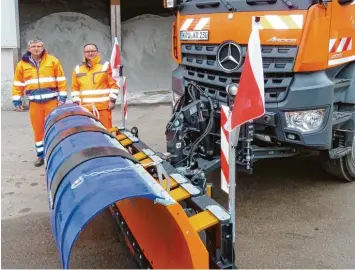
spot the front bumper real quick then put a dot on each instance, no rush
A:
(307, 91)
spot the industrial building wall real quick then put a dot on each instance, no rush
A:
(10, 43)
(65, 26)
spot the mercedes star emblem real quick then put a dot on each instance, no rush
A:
(229, 56)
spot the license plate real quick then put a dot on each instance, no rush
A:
(194, 35)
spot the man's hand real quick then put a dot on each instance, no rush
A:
(19, 109)
(111, 106)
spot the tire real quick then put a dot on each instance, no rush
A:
(343, 168)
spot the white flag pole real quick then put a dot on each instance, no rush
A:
(121, 84)
(233, 143)
(120, 81)
(233, 139)
(232, 148)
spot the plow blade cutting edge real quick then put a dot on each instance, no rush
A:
(89, 170)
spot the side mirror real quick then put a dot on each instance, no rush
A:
(170, 3)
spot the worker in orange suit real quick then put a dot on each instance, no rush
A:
(93, 86)
(40, 76)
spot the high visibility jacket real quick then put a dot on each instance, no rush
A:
(94, 85)
(40, 83)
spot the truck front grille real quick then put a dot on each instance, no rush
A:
(200, 65)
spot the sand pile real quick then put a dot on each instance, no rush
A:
(146, 54)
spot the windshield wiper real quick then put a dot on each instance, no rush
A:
(215, 4)
(289, 3)
(251, 2)
(228, 6)
(208, 4)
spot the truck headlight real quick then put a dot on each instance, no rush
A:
(305, 121)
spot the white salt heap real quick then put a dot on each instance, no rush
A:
(146, 53)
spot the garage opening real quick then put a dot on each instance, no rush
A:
(65, 26)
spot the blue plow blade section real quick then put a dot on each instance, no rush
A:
(87, 170)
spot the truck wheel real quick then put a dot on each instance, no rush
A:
(343, 167)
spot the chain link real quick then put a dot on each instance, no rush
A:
(80, 180)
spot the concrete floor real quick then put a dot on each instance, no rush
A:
(290, 214)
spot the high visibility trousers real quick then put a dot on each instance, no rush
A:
(106, 118)
(38, 114)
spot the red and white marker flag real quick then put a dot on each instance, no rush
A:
(119, 78)
(115, 61)
(249, 102)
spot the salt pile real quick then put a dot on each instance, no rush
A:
(146, 51)
(146, 54)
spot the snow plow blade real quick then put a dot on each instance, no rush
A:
(89, 169)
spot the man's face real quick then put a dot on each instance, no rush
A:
(36, 48)
(90, 52)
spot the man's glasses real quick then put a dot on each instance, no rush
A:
(90, 51)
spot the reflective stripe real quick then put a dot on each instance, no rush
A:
(63, 93)
(61, 79)
(75, 93)
(44, 96)
(40, 143)
(105, 66)
(340, 44)
(18, 83)
(39, 150)
(98, 99)
(41, 80)
(112, 95)
(186, 24)
(95, 92)
(281, 22)
(16, 97)
(114, 91)
(75, 99)
(341, 60)
(202, 23)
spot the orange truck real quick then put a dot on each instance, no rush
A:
(308, 54)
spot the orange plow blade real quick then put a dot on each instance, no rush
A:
(164, 234)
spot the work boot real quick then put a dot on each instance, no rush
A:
(39, 162)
